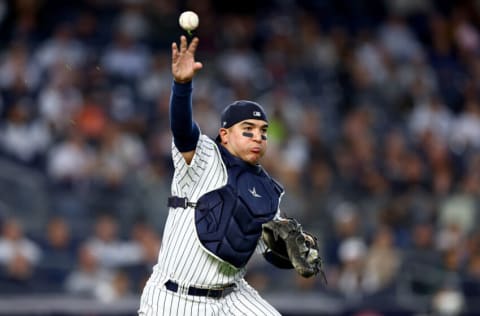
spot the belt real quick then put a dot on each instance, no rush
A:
(176, 201)
(213, 293)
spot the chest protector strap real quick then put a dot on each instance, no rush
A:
(229, 220)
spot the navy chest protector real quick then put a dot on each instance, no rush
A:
(229, 220)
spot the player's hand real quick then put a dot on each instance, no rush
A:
(184, 65)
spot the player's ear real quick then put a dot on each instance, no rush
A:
(223, 132)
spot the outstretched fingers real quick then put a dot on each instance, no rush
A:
(174, 51)
(193, 45)
(183, 44)
(184, 65)
(184, 47)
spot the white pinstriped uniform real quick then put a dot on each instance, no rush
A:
(183, 259)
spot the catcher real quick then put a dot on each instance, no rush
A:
(222, 203)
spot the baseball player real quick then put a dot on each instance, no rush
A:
(220, 199)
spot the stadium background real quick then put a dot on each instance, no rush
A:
(375, 133)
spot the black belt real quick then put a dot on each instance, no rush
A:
(214, 293)
(176, 201)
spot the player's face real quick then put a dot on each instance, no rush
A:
(246, 140)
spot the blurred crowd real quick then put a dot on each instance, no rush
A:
(374, 132)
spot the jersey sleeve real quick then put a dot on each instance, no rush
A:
(205, 152)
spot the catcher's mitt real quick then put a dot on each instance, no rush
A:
(286, 239)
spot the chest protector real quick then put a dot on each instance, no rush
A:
(229, 219)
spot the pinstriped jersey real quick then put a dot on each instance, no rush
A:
(182, 257)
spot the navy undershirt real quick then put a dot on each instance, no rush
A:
(185, 131)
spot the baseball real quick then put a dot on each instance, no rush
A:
(188, 20)
(312, 256)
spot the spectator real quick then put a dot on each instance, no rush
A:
(149, 240)
(382, 262)
(17, 66)
(346, 225)
(108, 249)
(60, 99)
(19, 255)
(397, 38)
(62, 49)
(155, 83)
(465, 132)
(432, 116)
(88, 278)
(71, 161)
(132, 19)
(422, 249)
(23, 137)
(352, 252)
(125, 58)
(59, 250)
(119, 154)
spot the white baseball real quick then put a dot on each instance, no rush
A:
(312, 255)
(188, 20)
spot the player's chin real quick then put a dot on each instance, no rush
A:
(254, 157)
